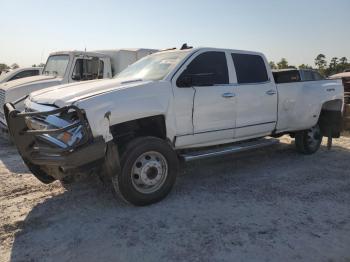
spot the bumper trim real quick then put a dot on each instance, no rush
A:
(37, 152)
(84, 155)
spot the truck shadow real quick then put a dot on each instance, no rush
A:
(207, 211)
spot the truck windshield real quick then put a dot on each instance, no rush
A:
(153, 67)
(56, 65)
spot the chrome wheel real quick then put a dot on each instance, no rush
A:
(149, 172)
(314, 136)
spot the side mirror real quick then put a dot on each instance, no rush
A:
(184, 81)
(205, 79)
(188, 80)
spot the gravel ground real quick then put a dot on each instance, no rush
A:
(266, 205)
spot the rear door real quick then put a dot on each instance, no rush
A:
(256, 96)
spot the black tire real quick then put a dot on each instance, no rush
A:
(308, 141)
(124, 182)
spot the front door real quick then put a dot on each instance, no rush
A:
(213, 114)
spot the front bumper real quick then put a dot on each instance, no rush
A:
(37, 151)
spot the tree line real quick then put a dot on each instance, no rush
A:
(4, 67)
(334, 66)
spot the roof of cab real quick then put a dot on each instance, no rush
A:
(196, 49)
(77, 53)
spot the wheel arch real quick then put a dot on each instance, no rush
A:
(154, 126)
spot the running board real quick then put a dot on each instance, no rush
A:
(235, 148)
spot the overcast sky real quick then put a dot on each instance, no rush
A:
(295, 29)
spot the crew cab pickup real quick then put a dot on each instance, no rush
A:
(70, 67)
(174, 105)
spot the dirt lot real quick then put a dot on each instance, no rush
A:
(268, 205)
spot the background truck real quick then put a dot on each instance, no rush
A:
(20, 73)
(178, 104)
(69, 67)
(296, 75)
(345, 77)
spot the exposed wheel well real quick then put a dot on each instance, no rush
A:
(123, 133)
(330, 120)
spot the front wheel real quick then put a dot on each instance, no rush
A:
(149, 168)
(308, 141)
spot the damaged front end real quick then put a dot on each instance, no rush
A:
(52, 140)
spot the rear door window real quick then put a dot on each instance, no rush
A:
(250, 69)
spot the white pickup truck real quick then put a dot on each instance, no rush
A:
(177, 104)
(69, 67)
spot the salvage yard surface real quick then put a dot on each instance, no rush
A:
(270, 204)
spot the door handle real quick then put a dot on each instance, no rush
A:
(271, 92)
(228, 95)
(330, 89)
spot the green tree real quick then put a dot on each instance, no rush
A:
(343, 60)
(272, 65)
(334, 62)
(304, 66)
(283, 64)
(14, 66)
(320, 62)
(3, 67)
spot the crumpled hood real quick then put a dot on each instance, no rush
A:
(42, 79)
(68, 94)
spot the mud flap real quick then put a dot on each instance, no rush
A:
(331, 125)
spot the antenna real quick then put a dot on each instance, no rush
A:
(185, 46)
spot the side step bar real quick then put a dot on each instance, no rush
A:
(235, 148)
